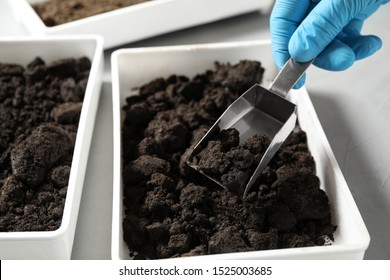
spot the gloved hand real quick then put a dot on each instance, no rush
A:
(326, 29)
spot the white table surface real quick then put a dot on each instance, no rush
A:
(353, 107)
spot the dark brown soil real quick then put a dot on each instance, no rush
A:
(173, 211)
(55, 12)
(40, 107)
(228, 162)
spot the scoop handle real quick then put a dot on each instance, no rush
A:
(288, 76)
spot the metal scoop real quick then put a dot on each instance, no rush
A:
(263, 111)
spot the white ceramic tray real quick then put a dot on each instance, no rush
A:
(134, 67)
(58, 244)
(140, 21)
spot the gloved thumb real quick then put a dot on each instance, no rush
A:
(362, 46)
(342, 52)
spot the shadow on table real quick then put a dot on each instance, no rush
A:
(93, 232)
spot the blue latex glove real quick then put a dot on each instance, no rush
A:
(326, 29)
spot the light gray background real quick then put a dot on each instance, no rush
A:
(353, 107)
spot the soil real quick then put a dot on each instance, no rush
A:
(172, 210)
(55, 12)
(40, 105)
(228, 162)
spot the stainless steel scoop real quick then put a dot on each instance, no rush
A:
(263, 111)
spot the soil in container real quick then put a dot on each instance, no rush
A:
(55, 12)
(173, 211)
(228, 162)
(40, 106)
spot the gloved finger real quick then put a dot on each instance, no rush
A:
(280, 36)
(293, 11)
(280, 57)
(321, 26)
(363, 46)
(337, 56)
(285, 18)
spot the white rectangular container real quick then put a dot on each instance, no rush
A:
(58, 244)
(134, 67)
(139, 21)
